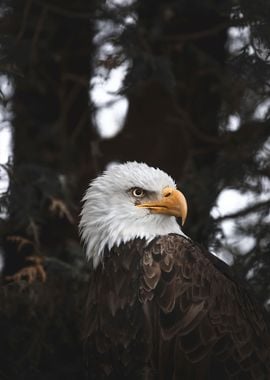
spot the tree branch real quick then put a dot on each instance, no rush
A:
(198, 35)
(245, 211)
(64, 12)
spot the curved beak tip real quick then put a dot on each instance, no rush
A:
(183, 220)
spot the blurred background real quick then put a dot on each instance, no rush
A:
(183, 85)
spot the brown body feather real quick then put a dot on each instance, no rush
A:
(169, 310)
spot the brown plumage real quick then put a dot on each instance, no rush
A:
(169, 310)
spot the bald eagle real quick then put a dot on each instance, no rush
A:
(160, 306)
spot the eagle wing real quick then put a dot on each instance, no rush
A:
(169, 310)
(215, 326)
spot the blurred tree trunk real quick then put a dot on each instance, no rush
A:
(51, 46)
(52, 131)
(52, 120)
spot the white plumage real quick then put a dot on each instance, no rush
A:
(109, 215)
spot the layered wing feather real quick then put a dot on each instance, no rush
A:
(210, 316)
(172, 311)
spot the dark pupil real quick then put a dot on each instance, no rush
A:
(138, 192)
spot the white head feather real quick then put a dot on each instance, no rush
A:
(109, 216)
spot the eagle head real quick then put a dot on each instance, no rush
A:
(128, 201)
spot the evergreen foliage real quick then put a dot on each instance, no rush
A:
(192, 66)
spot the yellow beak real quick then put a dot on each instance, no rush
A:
(172, 203)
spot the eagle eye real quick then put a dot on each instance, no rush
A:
(137, 192)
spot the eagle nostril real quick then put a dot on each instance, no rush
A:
(167, 193)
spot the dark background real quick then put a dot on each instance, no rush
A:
(186, 76)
